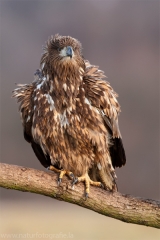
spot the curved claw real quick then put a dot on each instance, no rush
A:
(75, 180)
(61, 172)
(86, 196)
(71, 175)
(102, 186)
(86, 179)
(59, 181)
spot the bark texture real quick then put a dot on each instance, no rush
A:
(119, 206)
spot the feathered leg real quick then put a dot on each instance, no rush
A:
(106, 175)
(108, 179)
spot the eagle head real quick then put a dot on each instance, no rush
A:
(62, 53)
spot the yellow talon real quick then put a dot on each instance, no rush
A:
(52, 168)
(85, 178)
(61, 173)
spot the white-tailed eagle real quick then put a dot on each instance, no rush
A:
(70, 116)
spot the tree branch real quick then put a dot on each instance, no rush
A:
(123, 207)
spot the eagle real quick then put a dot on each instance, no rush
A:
(70, 114)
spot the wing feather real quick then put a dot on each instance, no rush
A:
(104, 98)
(23, 93)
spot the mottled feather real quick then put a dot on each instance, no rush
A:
(70, 114)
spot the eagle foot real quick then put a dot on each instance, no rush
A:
(61, 173)
(85, 178)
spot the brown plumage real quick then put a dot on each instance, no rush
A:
(70, 116)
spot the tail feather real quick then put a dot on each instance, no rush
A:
(105, 176)
(117, 153)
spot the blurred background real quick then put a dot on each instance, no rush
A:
(120, 36)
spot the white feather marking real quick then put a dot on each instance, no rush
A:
(99, 166)
(43, 64)
(102, 112)
(65, 87)
(96, 110)
(70, 108)
(39, 85)
(63, 119)
(81, 78)
(28, 118)
(72, 88)
(87, 101)
(47, 77)
(81, 70)
(50, 101)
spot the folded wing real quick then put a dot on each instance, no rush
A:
(104, 98)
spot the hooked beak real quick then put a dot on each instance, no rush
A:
(69, 51)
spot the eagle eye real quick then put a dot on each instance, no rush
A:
(59, 49)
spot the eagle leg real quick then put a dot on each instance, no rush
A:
(85, 178)
(61, 173)
(109, 180)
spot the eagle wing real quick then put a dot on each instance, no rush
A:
(104, 98)
(24, 93)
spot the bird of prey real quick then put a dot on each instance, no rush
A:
(70, 116)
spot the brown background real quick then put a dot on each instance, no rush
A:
(120, 36)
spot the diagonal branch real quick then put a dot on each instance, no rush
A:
(123, 207)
